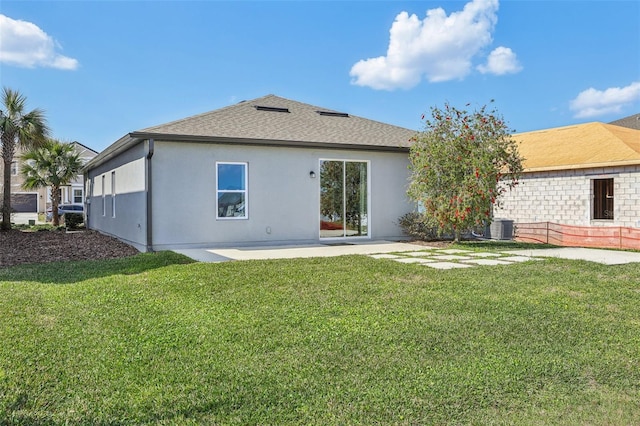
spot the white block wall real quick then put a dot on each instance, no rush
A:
(566, 197)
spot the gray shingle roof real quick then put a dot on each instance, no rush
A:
(301, 124)
(632, 122)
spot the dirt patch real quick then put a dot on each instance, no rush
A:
(437, 244)
(18, 247)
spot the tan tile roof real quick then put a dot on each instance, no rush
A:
(302, 124)
(579, 146)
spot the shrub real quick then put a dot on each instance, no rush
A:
(461, 165)
(73, 220)
(419, 226)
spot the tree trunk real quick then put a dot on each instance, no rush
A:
(456, 236)
(6, 192)
(55, 202)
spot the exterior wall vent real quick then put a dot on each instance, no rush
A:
(272, 109)
(333, 114)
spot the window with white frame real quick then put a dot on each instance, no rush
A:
(104, 197)
(113, 194)
(77, 195)
(14, 168)
(231, 190)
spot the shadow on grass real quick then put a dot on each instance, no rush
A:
(76, 271)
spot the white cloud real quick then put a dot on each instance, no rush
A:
(438, 48)
(25, 44)
(501, 61)
(592, 102)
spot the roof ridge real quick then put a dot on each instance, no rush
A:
(615, 130)
(202, 114)
(552, 129)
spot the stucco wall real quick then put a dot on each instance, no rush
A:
(283, 201)
(129, 223)
(566, 197)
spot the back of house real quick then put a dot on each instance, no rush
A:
(262, 172)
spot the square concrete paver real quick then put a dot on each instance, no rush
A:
(413, 260)
(447, 265)
(418, 253)
(484, 254)
(449, 257)
(487, 262)
(453, 251)
(518, 258)
(384, 256)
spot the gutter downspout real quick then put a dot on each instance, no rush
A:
(149, 193)
(86, 201)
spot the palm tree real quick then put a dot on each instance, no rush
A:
(17, 129)
(53, 164)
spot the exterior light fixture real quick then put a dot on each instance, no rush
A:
(312, 174)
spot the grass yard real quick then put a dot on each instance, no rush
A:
(155, 339)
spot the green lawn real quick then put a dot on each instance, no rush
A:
(155, 339)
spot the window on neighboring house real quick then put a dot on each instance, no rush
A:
(603, 199)
(14, 168)
(231, 190)
(77, 195)
(113, 194)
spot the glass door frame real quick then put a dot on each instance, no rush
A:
(368, 203)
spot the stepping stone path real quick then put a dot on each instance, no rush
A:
(453, 258)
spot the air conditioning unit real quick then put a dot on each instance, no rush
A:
(500, 229)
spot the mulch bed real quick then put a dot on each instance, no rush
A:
(18, 247)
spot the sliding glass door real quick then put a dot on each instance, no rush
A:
(343, 199)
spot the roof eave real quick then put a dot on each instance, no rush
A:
(119, 146)
(264, 142)
(562, 167)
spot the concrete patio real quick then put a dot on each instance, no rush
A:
(412, 253)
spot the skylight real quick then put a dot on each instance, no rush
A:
(272, 109)
(333, 113)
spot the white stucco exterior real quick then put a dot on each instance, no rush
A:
(283, 200)
(566, 197)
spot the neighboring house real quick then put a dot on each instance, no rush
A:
(37, 201)
(632, 122)
(580, 175)
(265, 171)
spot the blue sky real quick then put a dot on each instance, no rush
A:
(101, 69)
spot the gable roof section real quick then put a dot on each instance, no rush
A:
(280, 121)
(82, 149)
(579, 147)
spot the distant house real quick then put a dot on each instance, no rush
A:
(632, 122)
(581, 175)
(37, 201)
(266, 171)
